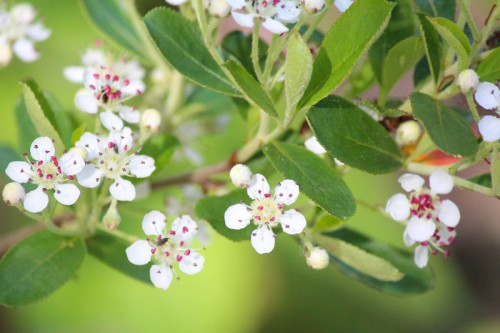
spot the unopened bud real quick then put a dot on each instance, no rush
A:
(219, 8)
(5, 54)
(408, 133)
(112, 218)
(467, 81)
(151, 120)
(80, 151)
(13, 194)
(317, 258)
(313, 6)
(240, 175)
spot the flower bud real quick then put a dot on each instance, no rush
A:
(408, 133)
(13, 194)
(5, 54)
(219, 8)
(317, 258)
(240, 175)
(468, 81)
(151, 120)
(313, 6)
(80, 151)
(112, 218)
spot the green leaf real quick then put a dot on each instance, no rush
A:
(454, 37)
(26, 131)
(181, 43)
(77, 133)
(446, 127)
(328, 223)
(161, 148)
(353, 137)
(212, 210)
(432, 46)
(7, 155)
(400, 59)
(115, 19)
(483, 180)
(251, 88)
(489, 69)
(414, 281)
(298, 69)
(111, 251)
(63, 122)
(443, 8)
(318, 181)
(344, 44)
(40, 113)
(38, 265)
(239, 45)
(495, 171)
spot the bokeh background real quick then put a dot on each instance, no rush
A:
(239, 290)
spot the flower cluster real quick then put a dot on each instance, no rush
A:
(19, 32)
(431, 220)
(266, 211)
(166, 248)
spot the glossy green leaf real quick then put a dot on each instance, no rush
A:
(489, 69)
(432, 46)
(40, 113)
(318, 181)
(400, 59)
(161, 148)
(239, 46)
(353, 137)
(111, 251)
(446, 127)
(212, 209)
(251, 88)
(359, 81)
(181, 43)
(443, 8)
(115, 19)
(37, 266)
(483, 180)
(344, 44)
(298, 69)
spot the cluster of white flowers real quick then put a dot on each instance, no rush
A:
(266, 211)
(18, 33)
(166, 248)
(431, 220)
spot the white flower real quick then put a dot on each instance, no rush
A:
(425, 211)
(488, 96)
(13, 194)
(110, 157)
(489, 127)
(240, 175)
(218, 8)
(443, 237)
(408, 133)
(49, 174)
(313, 6)
(267, 212)
(166, 248)
(318, 258)
(343, 5)
(468, 81)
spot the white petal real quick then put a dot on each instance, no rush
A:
(18, 171)
(90, 142)
(86, 101)
(161, 276)
(441, 182)
(74, 74)
(288, 11)
(23, 13)
(411, 182)
(245, 20)
(421, 257)
(154, 223)
(489, 127)
(42, 149)
(420, 230)
(236, 4)
(292, 222)
(141, 166)
(93, 58)
(175, 2)
(36, 201)
(111, 121)
(123, 139)
(130, 115)
(90, 176)
(38, 32)
(25, 50)
(407, 239)
(262, 240)
(448, 213)
(398, 206)
(134, 87)
(192, 263)
(488, 95)
(446, 236)
(71, 163)
(274, 26)
(139, 253)
(343, 5)
(237, 217)
(66, 194)
(122, 190)
(184, 227)
(313, 145)
(286, 192)
(259, 187)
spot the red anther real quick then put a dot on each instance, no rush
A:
(40, 162)
(447, 253)
(451, 240)
(187, 252)
(159, 238)
(429, 215)
(111, 145)
(185, 229)
(181, 243)
(116, 78)
(92, 87)
(50, 176)
(96, 75)
(272, 219)
(178, 258)
(98, 96)
(260, 207)
(442, 243)
(437, 237)
(172, 232)
(424, 243)
(125, 148)
(153, 251)
(264, 4)
(138, 92)
(434, 252)
(451, 228)
(275, 2)
(107, 76)
(167, 253)
(257, 217)
(280, 206)
(267, 195)
(126, 83)
(71, 177)
(59, 170)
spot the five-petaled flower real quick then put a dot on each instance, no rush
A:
(166, 248)
(49, 174)
(432, 220)
(266, 212)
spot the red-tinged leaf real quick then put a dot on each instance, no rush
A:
(437, 157)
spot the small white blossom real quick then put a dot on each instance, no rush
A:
(110, 157)
(468, 81)
(240, 175)
(166, 248)
(408, 133)
(49, 174)
(313, 6)
(218, 8)
(317, 258)
(488, 96)
(13, 194)
(343, 5)
(427, 214)
(489, 127)
(266, 212)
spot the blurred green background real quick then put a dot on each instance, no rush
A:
(239, 290)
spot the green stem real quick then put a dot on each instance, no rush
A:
(117, 233)
(472, 107)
